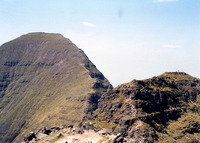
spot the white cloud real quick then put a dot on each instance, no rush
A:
(88, 24)
(171, 46)
(165, 0)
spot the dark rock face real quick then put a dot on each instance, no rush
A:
(149, 110)
(45, 80)
(45, 131)
(29, 137)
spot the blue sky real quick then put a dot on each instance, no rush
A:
(125, 39)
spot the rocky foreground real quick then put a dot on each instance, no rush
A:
(65, 135)
(85, 134)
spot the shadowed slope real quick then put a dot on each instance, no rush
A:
(45, 80)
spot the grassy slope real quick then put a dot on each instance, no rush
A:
(48, 86)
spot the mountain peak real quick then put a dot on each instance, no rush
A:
(45, 80)
(43, 35)
(40, 37)
(174, 73)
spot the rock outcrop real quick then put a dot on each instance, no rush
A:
(45, 81)
(161, 109)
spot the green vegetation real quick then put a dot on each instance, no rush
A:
(103, 140)
(56, 139)
(184, 130)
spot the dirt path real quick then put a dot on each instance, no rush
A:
(87, 137)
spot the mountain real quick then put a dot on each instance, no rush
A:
(45, 81)
(164, 109)
(48, 86)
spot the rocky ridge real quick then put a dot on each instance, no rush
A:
(161, 109)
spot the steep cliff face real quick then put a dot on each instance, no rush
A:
(45, 80)
(161, 109)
